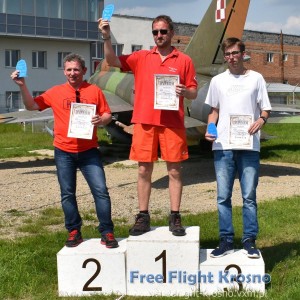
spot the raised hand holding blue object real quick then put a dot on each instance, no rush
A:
(212, 129)
(22, 68)
(108, 12)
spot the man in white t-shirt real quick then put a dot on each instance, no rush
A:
(240, 107)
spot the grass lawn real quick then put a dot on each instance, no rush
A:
(28, 265)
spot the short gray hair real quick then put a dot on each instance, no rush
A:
(75, 57)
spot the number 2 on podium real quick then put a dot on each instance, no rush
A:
(87, 287)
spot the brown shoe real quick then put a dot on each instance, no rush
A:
(141, 225)
(175, 225)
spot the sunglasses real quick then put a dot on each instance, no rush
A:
(161, 31)
(233, 53)
(77, 96)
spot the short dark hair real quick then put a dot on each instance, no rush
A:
(229, 42)
(165, 19)
(75, 57)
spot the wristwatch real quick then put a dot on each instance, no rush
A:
(264, 118)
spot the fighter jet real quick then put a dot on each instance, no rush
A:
(223, 19)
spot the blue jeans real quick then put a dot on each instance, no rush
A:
(246, 164)
(90, 164)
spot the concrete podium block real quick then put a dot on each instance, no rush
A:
(231, 272)
(159, 263)
(91, 268)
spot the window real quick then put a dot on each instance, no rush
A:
(39, 59)
(2, 6)
(136, 47)
(13, 100)
(97, 49)
(13, 7)
(55, 9)
(93, 7)
(11, 58)
(28, 7)
(80, 6)
(270, 57)
(118, 48)
(284, 57)
(42, 8)
(36, 93)
(68, 9)
(60, 59)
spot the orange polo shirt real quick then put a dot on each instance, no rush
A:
(145, 64)
(59, 98)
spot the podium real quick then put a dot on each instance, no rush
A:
(232, 272)
(91, 269)
(161, 264)
(156, 263)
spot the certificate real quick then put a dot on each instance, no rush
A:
(238, 131)
(80, 123)
(164, 92)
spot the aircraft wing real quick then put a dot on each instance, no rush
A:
(25, 116)
(116, 103)
(285, 109)
(284, 114)
(191, 122)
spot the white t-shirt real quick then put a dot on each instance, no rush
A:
(237, 94)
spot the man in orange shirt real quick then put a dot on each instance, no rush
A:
(156, 127)
(76, 153)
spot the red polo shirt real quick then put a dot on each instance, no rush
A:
(144, 64)
(59, 98)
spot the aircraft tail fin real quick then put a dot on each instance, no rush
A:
(205, 46)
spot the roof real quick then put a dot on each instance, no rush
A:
(283, 88)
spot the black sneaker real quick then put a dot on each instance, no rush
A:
(141, 225)
(224, 248)
(175, 225)
(250, 248)
(74, 238)
(109, 240)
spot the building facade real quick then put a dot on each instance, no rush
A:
(42, 32)
(275, 55)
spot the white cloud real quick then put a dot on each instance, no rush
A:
(264, 26)
(293, 25)
(136, 11)
(263, 15)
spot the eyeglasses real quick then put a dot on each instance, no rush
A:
(233, 53)
(77, 97)
(162, 31)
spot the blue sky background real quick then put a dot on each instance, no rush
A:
(263, 15)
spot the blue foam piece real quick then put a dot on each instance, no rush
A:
(212, 129)
(108, 12)
(22, 68)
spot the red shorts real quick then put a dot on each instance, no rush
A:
(147, 138)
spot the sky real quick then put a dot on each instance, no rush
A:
(263, 15)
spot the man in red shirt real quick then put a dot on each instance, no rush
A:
(72, 153)
(156, 127)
